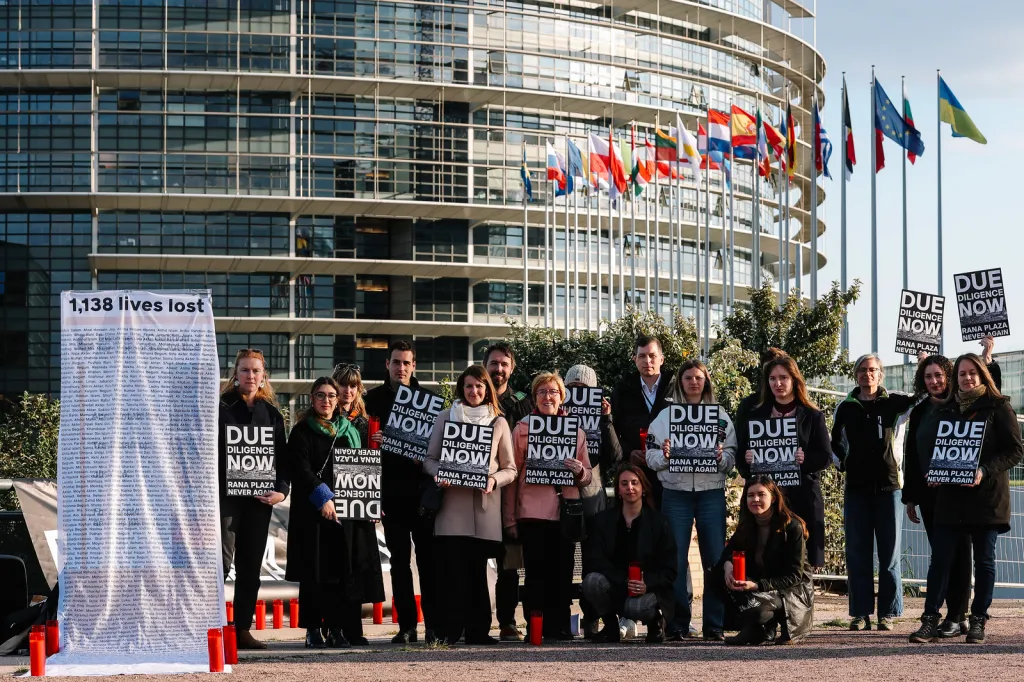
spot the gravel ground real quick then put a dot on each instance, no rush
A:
(830, 653)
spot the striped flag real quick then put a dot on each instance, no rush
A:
(851, 154)
(719, 132)
(908, 116)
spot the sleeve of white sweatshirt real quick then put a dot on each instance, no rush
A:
(657, 432)
(730, 445)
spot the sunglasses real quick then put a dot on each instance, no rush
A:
(346, 367)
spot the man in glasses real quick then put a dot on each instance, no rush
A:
(402, 479)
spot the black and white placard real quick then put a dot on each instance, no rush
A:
(957, 449)
(585, 402)
(551, 439)
(920, 325)
(408, 428)
(981, 302)
(357, 484)
(466, 454)
(694, 432)
(250, 465)
(774, 442)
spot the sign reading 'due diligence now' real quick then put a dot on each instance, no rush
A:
(920, 324)
(250, 459)
(407, 430)
(981, 302)
(774, 442)
(585, 402)
(466, 454)
(693, 439)
(357, 484)
(956, 451)
(551, 439)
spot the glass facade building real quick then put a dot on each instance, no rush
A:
(341, 173)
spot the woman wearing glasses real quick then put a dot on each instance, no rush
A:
(335, 562)
(247, 400)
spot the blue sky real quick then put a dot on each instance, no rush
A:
(979, 48)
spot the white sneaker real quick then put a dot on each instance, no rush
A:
(627, 628)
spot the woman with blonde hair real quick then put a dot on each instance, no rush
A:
(350, 398)
(248, 400)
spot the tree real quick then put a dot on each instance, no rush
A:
(28, 440)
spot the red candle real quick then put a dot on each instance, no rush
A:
(52, 637)
(293, 613)
(215, 645)
(229, 610)
(378, 613)
(278, 614)
(373, 428)
(643, 439)
(37, 652)
(261, 614)
(739, 566)
(39, 628)
(536, 627)
(394, 611)
(635, 574)
(230, 645)
(419, 610)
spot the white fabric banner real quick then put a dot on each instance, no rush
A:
(139, 554)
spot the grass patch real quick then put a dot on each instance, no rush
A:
(836, 623)
(437, 645)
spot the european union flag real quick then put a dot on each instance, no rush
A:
(575, 166)
(889, 119)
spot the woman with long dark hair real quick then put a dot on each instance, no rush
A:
(979, 511)
(690, 498)
(784, 394)
(932, 382)
(335, 561)
(468, 525)
(248, 400)
(777, 588)
(630, 536)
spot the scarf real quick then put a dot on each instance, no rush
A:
(784, 410)
(339, 428)
(966, 398)
(480, 415)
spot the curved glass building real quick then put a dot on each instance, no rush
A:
(344, 172)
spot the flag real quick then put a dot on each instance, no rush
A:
(642, 172)
(952, 113)
(524, 174)
(664, 170)
(744, 134)
(616, 168)
(775, 141)
(576, 165)
(606, 164)
(822, 145)
(686, 149)
(851, 154)
(719, 132)
(765, 165)
(908, 117)
(790, 141)
(889, 121)
(556, 168)
(665, 145)
(598, 167)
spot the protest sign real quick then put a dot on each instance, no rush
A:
(410, 423)
(585, 402)
(956, 451)
(357, 484)
(466, 454)
(693, 439)
(981, 302)
(551, 439)
(250, 459)
(920, 324)
(137, 478)
(774, 442)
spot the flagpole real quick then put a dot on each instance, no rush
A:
(575, 255)
(874, 223)
(799, 247)
(632, 220)
(565, 279)
(903, 154)
(845, 336)
(657, 221)
(672, 210)
(815, 146)
(548, 317)
(707, 249)
(780, 199)
(621, 242)
(732, 227)
(526, 254)
(600, 258)
(590, 238)
(648, 289)
(938, 150)
(755, 238)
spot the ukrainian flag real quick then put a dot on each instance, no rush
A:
(952, 113)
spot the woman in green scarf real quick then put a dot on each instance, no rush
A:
(336, 562)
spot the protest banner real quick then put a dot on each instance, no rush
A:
(956, 451)
(981, 302)
(250, 460)
(585, 402)
(693, 439)
(407, 430)
(920, 324)
(137, 479)
(357, 484)
(551, 439)
(774, 442)
(466, 454)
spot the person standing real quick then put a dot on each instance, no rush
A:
(635, 402)
(402, 480)
(335, 561)
(248, 399)
(980, 511)
(500, 361)
(468, 525)
(689, 498)
(864, 439)
(754, 399)
(933, 381)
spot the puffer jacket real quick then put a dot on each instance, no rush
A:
(659, 431)
(867, 440)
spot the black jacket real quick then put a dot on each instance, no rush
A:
(322, 551)
(514, 405)
(629, 409)
(785, 571)
(864, 440)
(987, 504)
(401, 477)
(805, 500)
(234, 411)
(915, 476)
(656, 548)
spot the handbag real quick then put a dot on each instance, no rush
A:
(431, 495)
(570, 518)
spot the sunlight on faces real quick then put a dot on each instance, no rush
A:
(401, 366)
(474, 391)
(935, 380)
(629, 488)
(324, 398)
(967, 375)
(347, 396)
(500, 367)
(250, 373)
(759, 500)
(548, 398)
(649, 359)
(781, 383)
(869, 374)
(693, 384)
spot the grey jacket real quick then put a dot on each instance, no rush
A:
(659, 431)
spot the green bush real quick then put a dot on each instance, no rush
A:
(28, 440)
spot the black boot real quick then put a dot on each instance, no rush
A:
(336, 640)
(314, 640)
(752, 634)
(929, 630)
(976, 630)
(610, 632)
(656, 631)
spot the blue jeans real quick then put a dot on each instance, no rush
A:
(872, 518)
(945, 539)
(707, 508)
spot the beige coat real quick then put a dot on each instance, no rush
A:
(467, 512)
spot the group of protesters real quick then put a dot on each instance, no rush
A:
(635, 534)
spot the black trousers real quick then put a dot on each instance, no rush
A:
(402, 530)
(958, 593)
(321, 605)
(244, 523)
(462, 588)
(548, 559)
(506, 592)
